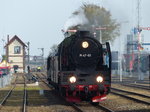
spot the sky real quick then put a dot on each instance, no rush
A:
(40, 21)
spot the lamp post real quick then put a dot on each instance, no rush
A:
(28, 49)
(28, 43)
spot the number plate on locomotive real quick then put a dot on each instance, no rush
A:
(85, 55)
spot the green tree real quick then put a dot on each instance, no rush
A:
(98, 17)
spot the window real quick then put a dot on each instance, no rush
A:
(17, 50)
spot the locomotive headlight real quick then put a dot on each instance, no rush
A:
(85, 44)
(72, 79)
(99, 79)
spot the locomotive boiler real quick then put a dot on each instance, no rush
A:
(81, 68)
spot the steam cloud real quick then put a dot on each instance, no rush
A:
(74, 20)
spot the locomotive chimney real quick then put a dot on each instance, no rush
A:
(83, 34)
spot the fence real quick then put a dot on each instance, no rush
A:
(5, 80)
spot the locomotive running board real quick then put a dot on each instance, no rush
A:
(99, 98)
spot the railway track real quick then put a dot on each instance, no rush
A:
(89, 107)
(52, 97)
(140, 98)
(78, 107)
(136, 86)
(24, 109)
(134, 82)
(15, 100)
(114, 103)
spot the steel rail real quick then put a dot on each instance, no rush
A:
(136, 86)
(6, 97)
(142, 95)
(131, 98)
(8, 94)
(144, 86)
(75, 107)
(136, 82)
(24, 97)
(71, 104)
(104, 108)
(101, 107)
(44, 77)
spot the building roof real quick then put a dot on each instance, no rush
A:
(16, 38)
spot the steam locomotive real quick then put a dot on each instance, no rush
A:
(81, 68)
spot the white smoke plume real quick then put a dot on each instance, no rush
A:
(74, 20)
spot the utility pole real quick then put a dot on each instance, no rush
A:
(28, 43)
(120, 60)
(138, 13)
(139, 38)
(28, 67)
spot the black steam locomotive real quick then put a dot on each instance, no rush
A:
(81, 68)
